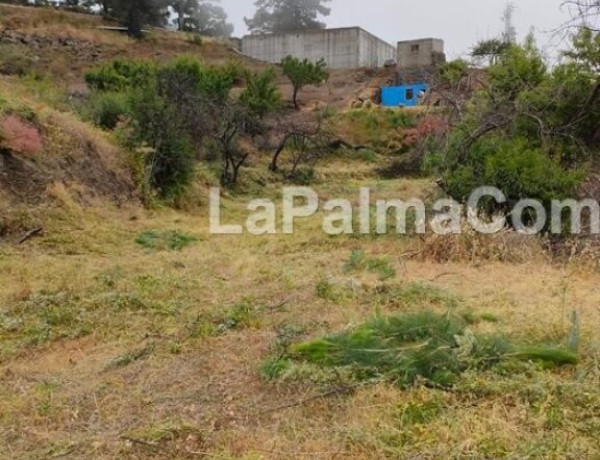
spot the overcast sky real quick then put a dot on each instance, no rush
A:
(459, 22)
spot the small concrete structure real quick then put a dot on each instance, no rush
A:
(421, 54)
(344, 48)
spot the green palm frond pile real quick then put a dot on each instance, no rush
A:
(420, 346)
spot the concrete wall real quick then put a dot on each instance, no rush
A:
(373, 52)
(345, 48)
(427, 52)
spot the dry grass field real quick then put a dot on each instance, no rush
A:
(115, 346)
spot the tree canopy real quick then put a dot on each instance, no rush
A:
(490, 49)
(135, 14)
(286, 15)
(204, 17)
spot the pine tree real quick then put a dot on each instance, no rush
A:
(185, 9)
(135, 14)
(286, 15)
(203, 17)
(212, 20)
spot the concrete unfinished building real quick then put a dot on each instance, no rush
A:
(419, 59)
(422, 53)
(344, 48)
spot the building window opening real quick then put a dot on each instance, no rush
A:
(415, 48)
(410, 94)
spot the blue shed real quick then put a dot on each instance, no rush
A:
(402, 96)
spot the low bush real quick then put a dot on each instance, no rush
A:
(108, 108)
(120, 75)
(261, 95)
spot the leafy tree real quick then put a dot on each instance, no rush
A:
(302, 73)
(188, 76)
(199, 99)
(520, 69)
(286, 15)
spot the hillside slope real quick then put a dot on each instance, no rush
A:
(67, 44)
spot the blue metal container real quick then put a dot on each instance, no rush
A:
(402, 96)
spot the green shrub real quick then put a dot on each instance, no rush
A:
(168, 158)
(355, 261)
(515, 167)
(381, 267)
(187, 74)
(177, 109)
(399, 119)
(261, 95)
(243, 315)
(120, 75)
(301, 175)
(453, 71)
(171, 165)
(107, 108)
